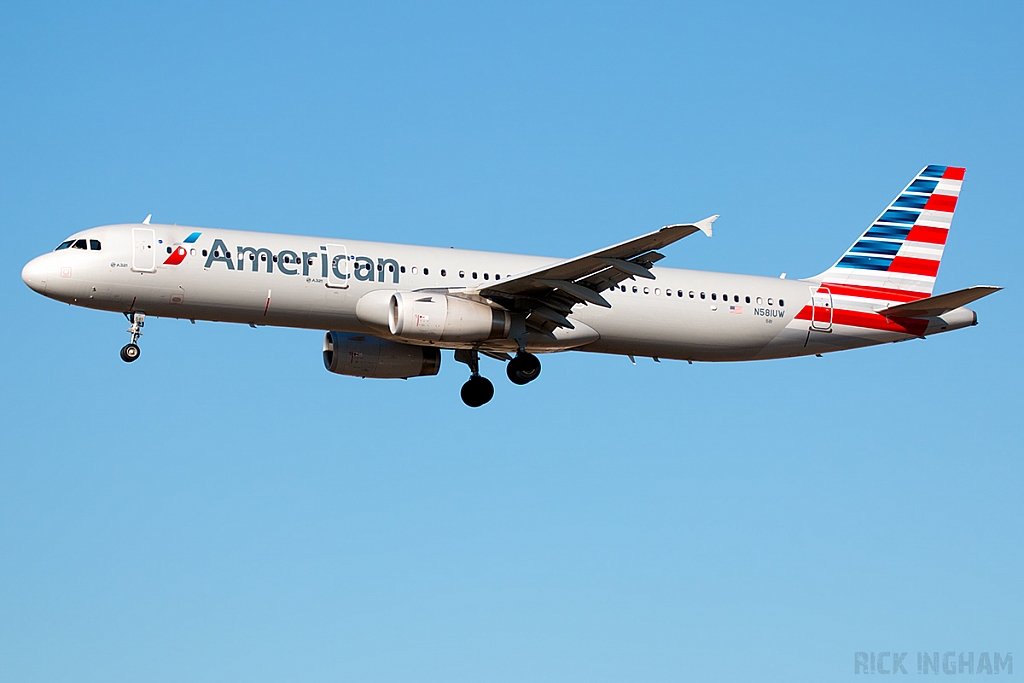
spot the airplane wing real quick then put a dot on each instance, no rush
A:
(549, 294)
(937, 305)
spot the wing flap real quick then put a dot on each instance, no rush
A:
(548, 294)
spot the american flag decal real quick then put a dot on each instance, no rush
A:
(735, 309)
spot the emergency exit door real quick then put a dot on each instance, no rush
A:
(337, 266)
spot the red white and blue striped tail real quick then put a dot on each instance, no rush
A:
(898, 256)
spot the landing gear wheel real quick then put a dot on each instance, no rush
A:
(477, 391)
(524, 368)
(130, 352)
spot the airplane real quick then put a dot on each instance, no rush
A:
(390, 309)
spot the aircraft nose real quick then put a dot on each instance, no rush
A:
(34, 274)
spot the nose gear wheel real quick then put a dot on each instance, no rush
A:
(131, 351)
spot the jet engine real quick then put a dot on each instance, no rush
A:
(438, 317)
(362, 355)
(432, 317)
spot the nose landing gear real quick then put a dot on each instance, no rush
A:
(131, 350)
(524, 368)
(478, 390)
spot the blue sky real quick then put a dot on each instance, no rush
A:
(225, 509)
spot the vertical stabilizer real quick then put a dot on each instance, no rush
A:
(898, 256)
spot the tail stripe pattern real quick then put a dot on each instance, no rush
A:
(898, 256)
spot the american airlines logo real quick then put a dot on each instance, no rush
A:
(180, 252)
(315, 264)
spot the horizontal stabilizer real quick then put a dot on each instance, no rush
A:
(937, 305)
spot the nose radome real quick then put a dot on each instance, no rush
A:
(34, 274)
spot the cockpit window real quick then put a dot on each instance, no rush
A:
(79, 244)
(94, 245)
(64, 245)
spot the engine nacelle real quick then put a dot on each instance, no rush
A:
(424, 316)
(362, 355)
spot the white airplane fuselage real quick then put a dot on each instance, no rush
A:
(284, 280)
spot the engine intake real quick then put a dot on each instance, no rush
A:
(438, 317)
(362, 355)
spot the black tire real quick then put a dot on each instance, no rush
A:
(523, 369)
(477, 391)
(130, 352)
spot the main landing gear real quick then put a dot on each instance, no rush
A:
(524, 368)
(131, 350)
(478, 390)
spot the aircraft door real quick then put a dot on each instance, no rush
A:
(821, 309)
(337, 266)
(143, 250)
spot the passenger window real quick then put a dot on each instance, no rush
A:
(275, 259)
(391, 268)
(402, 269)
(647, 290)
(714, 297)
(168, 250)
(426, 271)
(702, 295)
(623, 288)
(263, 257)
(668, 292)
(748, 299)
(781, 302)
(462, 273)
(486, 276)
(204, 252)
(444, 272)
(497, 277)
(758, 301)
(79, 244)
(474, 274)
(94, 245)
(657, 291)
(635, 290)
(691, 294)
(769, 301)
